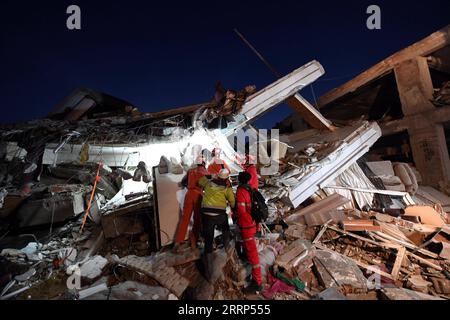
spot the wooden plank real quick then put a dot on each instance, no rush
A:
(323, 206)
(394, 231)
(360, 225)
(335, 268)
(438, 115)
(398, 262)
(308, 112)
(374, 269)
(290, 253)
(379, 244)
(424, 261)
(318, 219)
(321, 232)
(424, 47)
(388, 238)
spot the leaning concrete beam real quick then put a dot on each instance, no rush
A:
(279, 91)
(353, 147)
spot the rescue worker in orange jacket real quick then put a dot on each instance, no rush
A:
(192, 203)
(217, 164)
(248, 229)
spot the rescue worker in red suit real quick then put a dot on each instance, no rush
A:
(247, 227)
(250, 167)
(217, 164)
(192, 203)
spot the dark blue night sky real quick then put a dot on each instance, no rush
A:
(171, 54)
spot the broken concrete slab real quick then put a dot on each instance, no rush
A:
(355, 143)
(51, 206)
(168, 277)
(336, 270)
(406, 294)
(25, 276)
(92, 291)
(293, 254)
(11, 203)
(331, 293)
(12, 253)
(128, 290)
(295, 231)
(282, 89)
(171, 259)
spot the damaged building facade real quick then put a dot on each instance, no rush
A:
(91, 196)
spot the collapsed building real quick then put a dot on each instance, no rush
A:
(91, 196)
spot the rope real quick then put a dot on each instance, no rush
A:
(314, 95)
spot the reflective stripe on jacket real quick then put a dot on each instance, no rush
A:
(244, 208)
(216, 195)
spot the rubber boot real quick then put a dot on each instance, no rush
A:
(253, 288)
(208, 267)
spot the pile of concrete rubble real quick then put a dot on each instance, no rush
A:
(90, 202)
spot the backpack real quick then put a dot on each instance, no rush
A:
(260, 211)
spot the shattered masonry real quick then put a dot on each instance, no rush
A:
(91, 197)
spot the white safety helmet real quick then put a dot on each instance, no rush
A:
(224, 174)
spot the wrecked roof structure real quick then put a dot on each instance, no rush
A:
(91, 198)
(405, 93)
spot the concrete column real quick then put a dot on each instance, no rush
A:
(427, 138)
